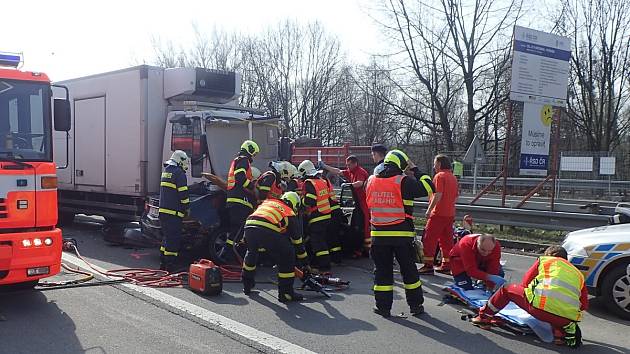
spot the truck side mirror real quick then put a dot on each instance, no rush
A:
(63, 122)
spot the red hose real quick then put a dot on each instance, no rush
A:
(154, 277)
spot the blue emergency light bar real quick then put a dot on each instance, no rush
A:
(12, 60)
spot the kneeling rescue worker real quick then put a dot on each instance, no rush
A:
(552, 290)
(274, 226)
(390, 196)
(240, 193)
(174, 204)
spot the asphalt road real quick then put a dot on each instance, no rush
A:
(119, 319)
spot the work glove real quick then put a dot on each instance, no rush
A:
(321, 165)
(497, 280)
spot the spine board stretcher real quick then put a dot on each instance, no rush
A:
(512, 316)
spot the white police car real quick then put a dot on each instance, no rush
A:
(602, 254)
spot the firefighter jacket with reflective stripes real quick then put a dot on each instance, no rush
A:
(294, 185)
(316, 193)
(385, 201)
(269, 185)
(174, 191)
(240, 181)
(557, 288)
(275, 215)
(394, 224)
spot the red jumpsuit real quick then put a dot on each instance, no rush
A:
(360, 174)
(516, 294)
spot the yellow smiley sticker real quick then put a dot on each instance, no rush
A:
(546, 115)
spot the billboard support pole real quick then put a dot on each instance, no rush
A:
(506, 153)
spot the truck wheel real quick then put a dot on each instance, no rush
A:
(216, 242)
(616, 291)
(65, 218)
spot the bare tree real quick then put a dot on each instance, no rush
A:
(600, 69)
(166, 55)
(476, 28)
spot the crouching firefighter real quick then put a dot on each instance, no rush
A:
(390, 196)
(174, 204)
(552, 291)
(274, 226)
(240, 194)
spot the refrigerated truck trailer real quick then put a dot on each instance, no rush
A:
(126, 123)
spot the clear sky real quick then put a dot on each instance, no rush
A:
(67, 39)
(72, 38)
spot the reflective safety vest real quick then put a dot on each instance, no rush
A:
(273, 191)
(231, 182)
(385, 201)
(274, 214)
(322, 196)
(557, 288)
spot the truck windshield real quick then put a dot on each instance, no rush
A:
(25, 127)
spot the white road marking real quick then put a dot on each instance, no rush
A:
(267, 340)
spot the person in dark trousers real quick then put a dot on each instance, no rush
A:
(440, 217)
(240, 194)
(477, 257)
(357, 176)
(316, 194)
(174, 204)
(378, 155)
(552, 291)
(274, 227)
(390, 197)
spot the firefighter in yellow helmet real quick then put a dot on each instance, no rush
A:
(240, 194)
(274, 227)
(390, 196)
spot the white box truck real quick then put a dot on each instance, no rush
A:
(126, 123)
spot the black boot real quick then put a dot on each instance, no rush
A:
(416, 310)
(289, 296)
(382, 312)
(248, 285)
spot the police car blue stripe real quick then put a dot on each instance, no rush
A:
(612, 254)
(577, 260)
(603, 248)
(590, 281)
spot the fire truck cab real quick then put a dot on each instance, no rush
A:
(30, 242)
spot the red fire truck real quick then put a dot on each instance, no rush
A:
(30, 243)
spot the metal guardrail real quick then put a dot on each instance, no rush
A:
(564, 183)
(536, 219)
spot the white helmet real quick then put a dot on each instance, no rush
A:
(277, 166)
(179, 158)
(307, 168)
(255, 172)
(292, 171)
